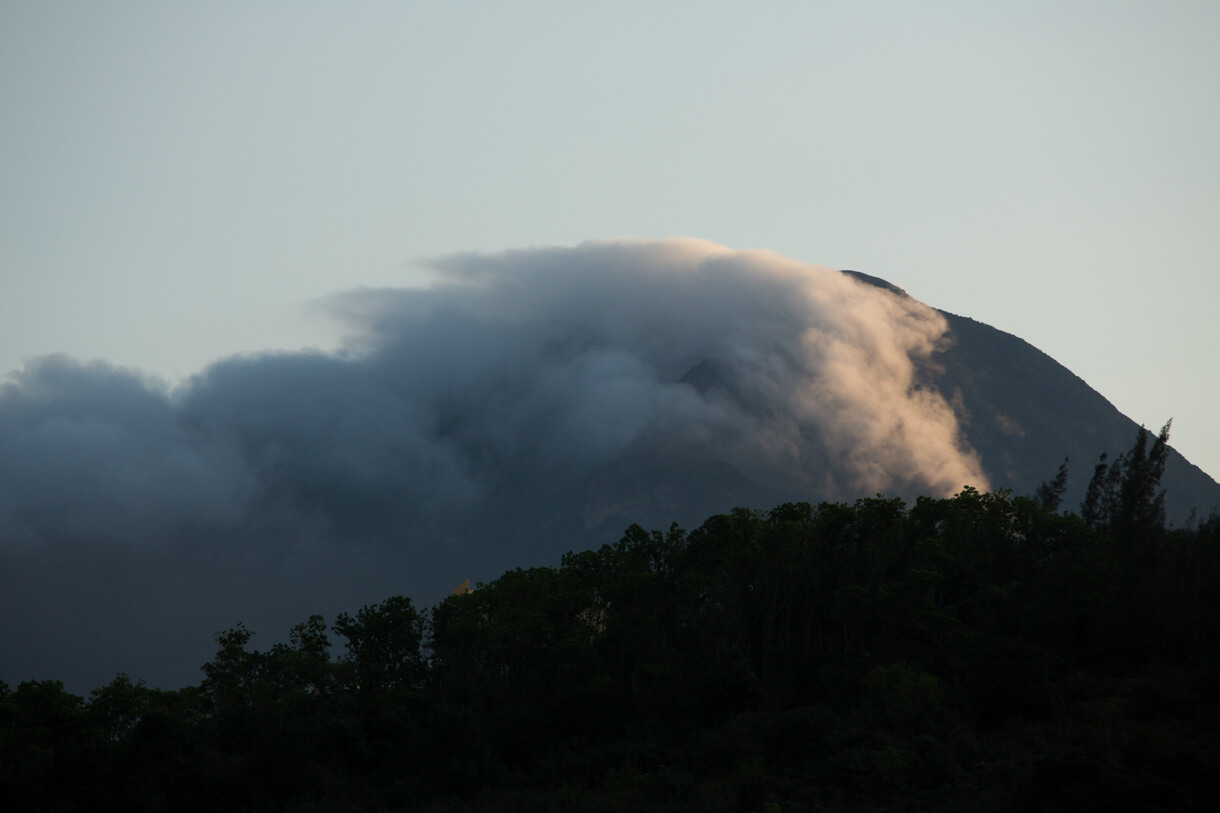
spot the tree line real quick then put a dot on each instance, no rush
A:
(981, 652)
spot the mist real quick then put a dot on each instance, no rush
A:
(522, 404)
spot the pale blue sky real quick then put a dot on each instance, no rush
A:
(179, 182)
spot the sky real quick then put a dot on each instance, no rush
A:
(181, 183)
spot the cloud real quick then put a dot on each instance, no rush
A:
(96, 454)
(521, 400)
(577, 354)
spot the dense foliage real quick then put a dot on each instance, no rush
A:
(984, 652)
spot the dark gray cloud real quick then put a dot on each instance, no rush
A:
(522, 404)
(93, 454)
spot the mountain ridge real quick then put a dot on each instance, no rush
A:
(1020, 453)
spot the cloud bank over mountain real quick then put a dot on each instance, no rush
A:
(515, 378)
(547, 360)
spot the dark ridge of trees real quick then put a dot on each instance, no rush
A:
(983, 652)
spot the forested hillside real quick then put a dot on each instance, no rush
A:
(982, 652)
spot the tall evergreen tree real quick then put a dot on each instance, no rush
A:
(1049, 495)
(1125, 498)
(1142, 501)
(1091, 508)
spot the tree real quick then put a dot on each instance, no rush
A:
(1091, 508)
(383, 645)
(119, 706)
(1049, 495)
(303, 664)
(1141, 499)
(230, 676)
(1125, 498)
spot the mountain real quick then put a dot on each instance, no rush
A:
(526, 404)
(1018, 408)
(1024, 412)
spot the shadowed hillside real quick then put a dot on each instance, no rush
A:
(1023, 412)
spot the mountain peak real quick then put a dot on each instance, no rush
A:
(876, 282)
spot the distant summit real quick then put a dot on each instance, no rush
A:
(876, 281)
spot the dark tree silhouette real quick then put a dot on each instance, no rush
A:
(1049, 495)
(1125, 497)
